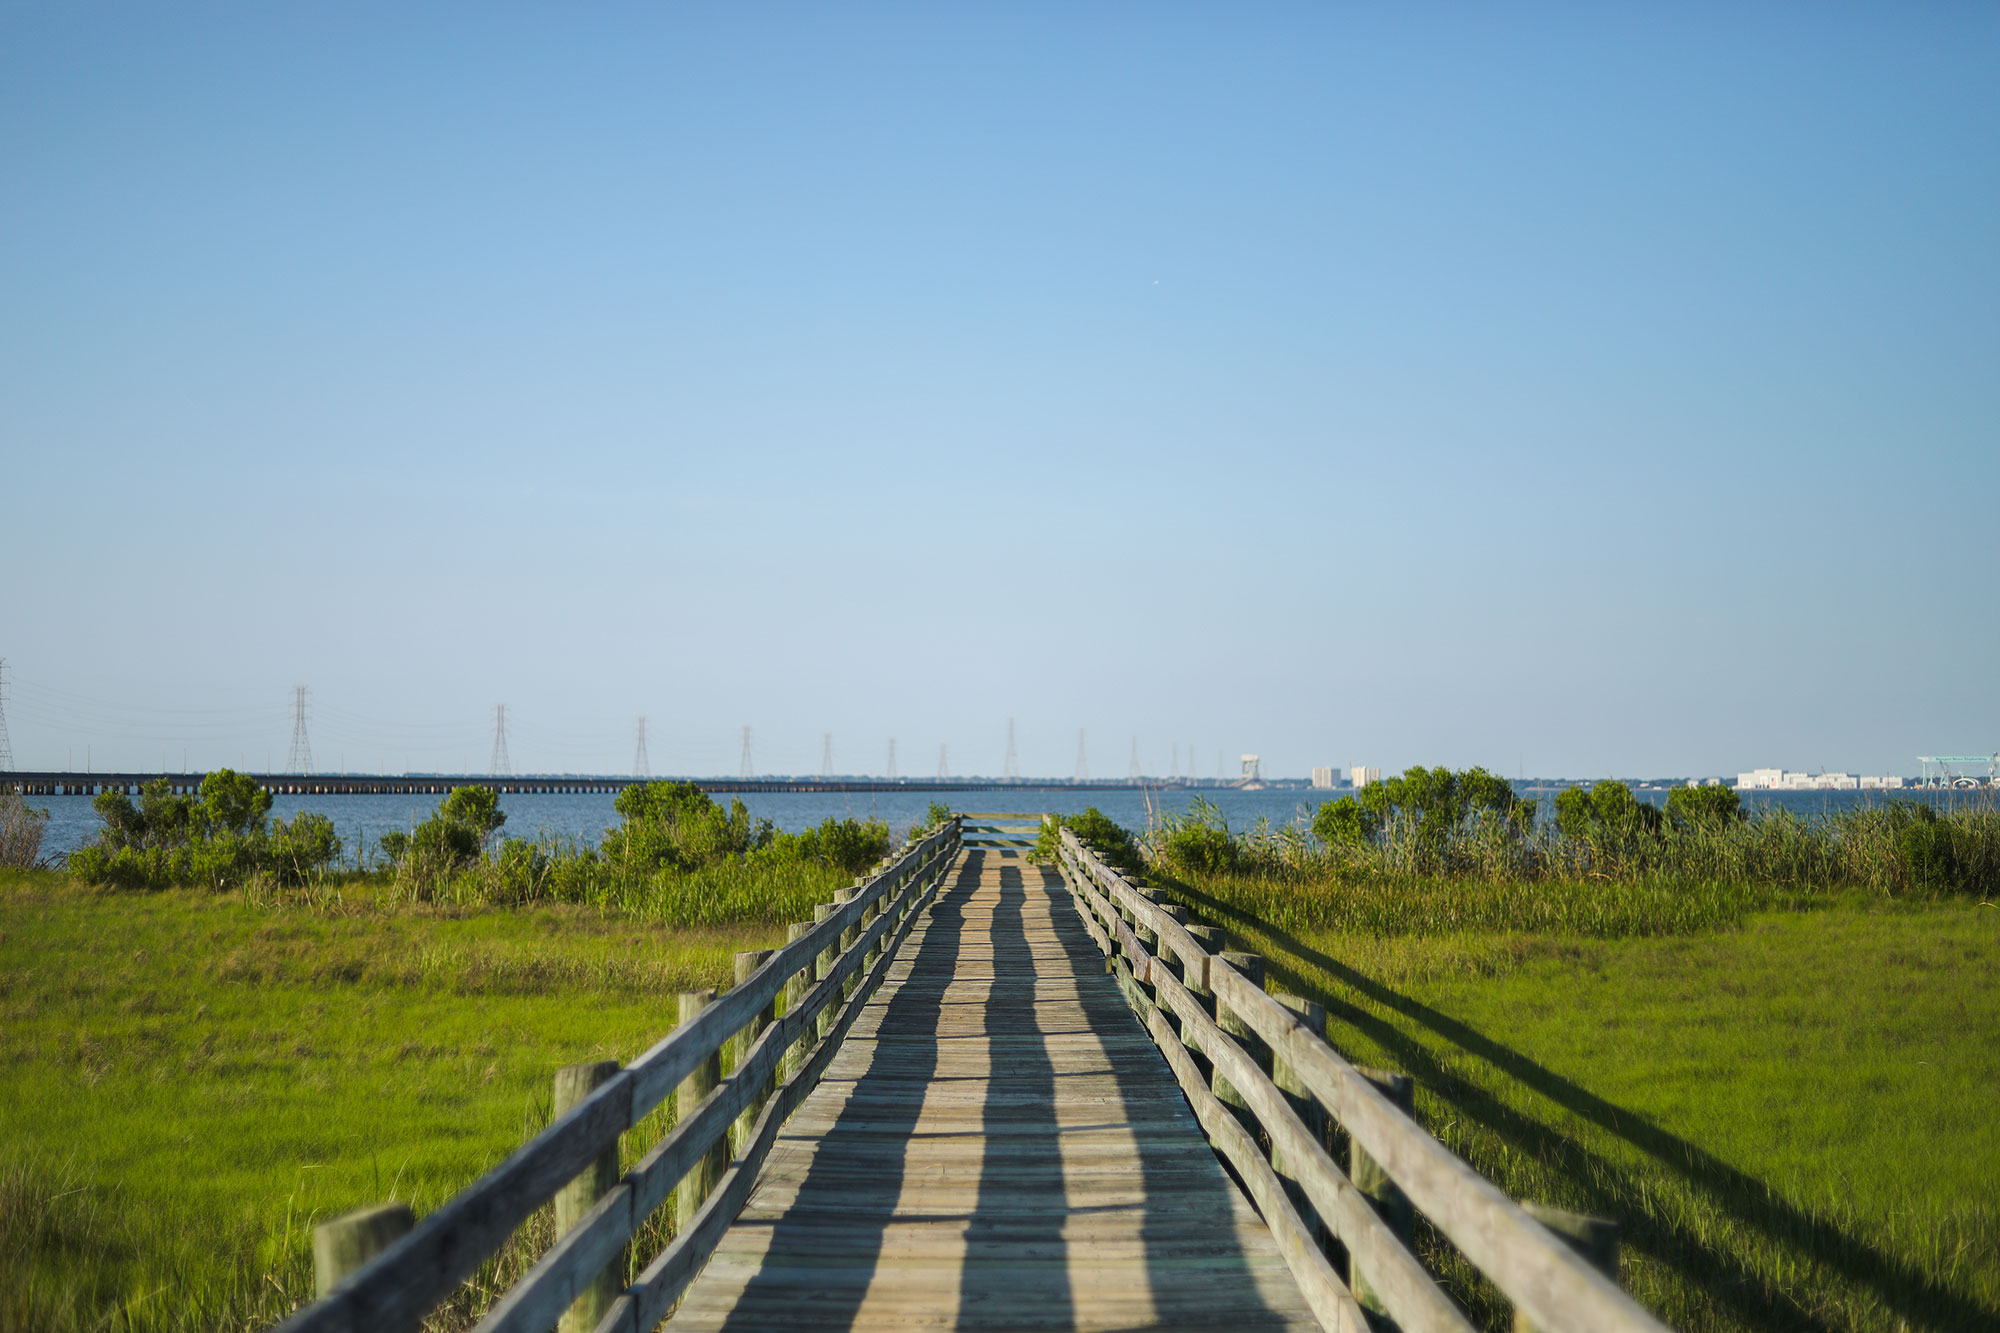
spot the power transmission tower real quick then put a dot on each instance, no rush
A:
(944, 762)
(1012, 768)
(892, 758)
(642, 767)
(745, 768)
(1174, 765)
(6, 746)
(1133, 771)
(501, 766)
(1219, 775)
(826, 757)
(300, 760)
(1082, 759)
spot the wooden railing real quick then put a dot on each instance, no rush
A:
(1259, 1073)
(825, 974)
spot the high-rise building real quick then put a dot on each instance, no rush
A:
(1325, 778)
(1363, 775)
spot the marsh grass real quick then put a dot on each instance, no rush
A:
(189, 1081)
(1781, 1091)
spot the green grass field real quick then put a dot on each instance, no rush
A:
(1793, 1117)
(188, 1082)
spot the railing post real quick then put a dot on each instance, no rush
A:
(351, 1240)
(747, 964)
(823, 968)
(868, 916)
(1252, 967)
(1213, 941)
(696, 1185)
(1310, 1112)
(1595, 1238)
(576, 1199)
(1373, 1181)
(796, 986)
(841, 898)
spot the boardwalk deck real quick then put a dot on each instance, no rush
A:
(997, 1145)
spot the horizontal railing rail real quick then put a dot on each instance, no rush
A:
(1203, 1010)
(826, 973)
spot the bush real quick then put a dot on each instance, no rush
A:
(215, 839)
(1113, 843)
(21, 829)
(1346, 822)
(675, 826)
(1716, 807)
(1197, 843)
(844, 844)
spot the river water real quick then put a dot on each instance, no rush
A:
(583, 818)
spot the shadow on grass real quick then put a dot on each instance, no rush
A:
(1908, 1292)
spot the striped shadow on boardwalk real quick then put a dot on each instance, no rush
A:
(997, 1145)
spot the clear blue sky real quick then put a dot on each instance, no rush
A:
(1595, 389)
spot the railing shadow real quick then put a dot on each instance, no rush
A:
(840, 1215)
(1913, 1295)
(1023, 1152)
(1184, 1269)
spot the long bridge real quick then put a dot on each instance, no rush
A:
(438, 784)
(980, 1093)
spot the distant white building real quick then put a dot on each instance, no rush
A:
(1778, 779)
(1883, 783)
(1325, 778)
(1363, 775)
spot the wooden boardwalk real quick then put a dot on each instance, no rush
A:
(997, 1145)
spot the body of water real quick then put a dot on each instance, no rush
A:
(362, 820)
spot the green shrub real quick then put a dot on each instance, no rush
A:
(215, 839)
(845, 844)
(1691, 808)
(1113, 843)
(1198, 842)
(1346, 822)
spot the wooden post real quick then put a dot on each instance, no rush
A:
(1373, 1181)
(701, 1178)
(1213, 941)
(1595, 1238)
(351, 1240)
(1252, 967)
(576, 1199)
(841, 898)
(747, 964)
(823, 968)
(796, 987)
(868, 918)
(1313, 1015)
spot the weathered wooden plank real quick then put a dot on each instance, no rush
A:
(996, 1145)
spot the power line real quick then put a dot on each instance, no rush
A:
(1012, 768)
(300, 760)
(642, 767)
(501, 766)
(746, 769)
(1082, 759)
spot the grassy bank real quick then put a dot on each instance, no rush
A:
(188, 1081)
(1788, 1112)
